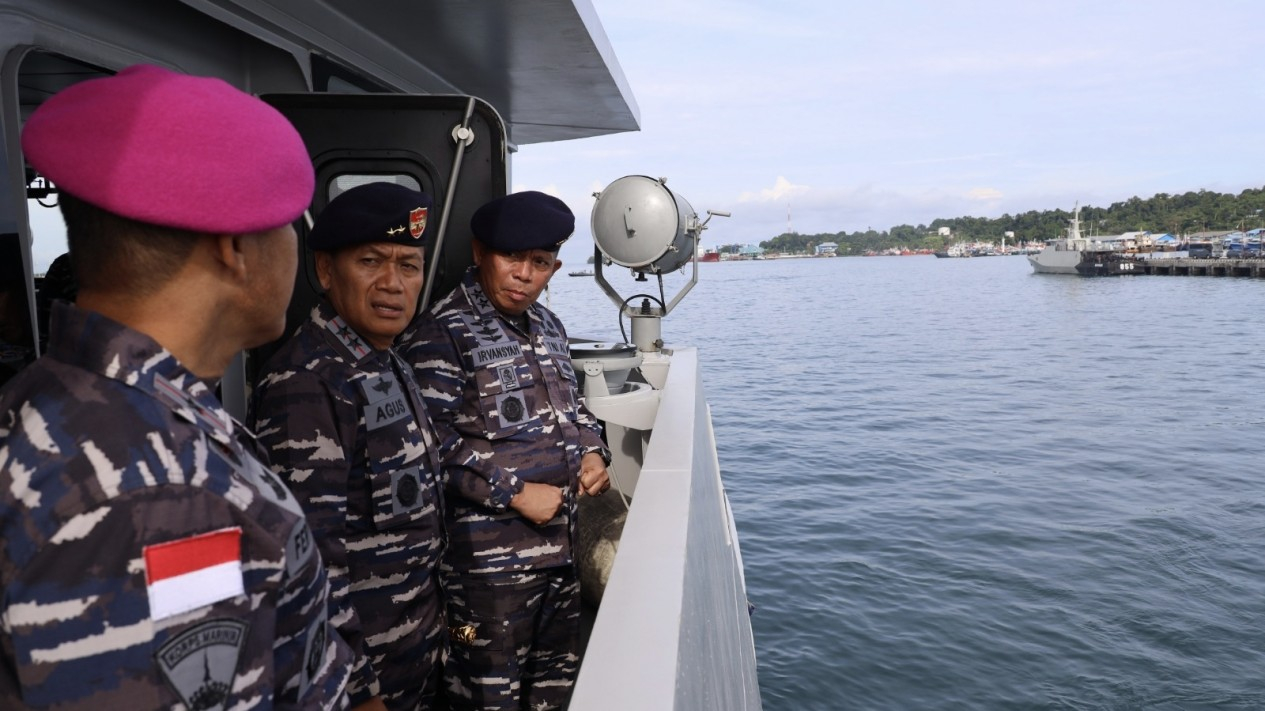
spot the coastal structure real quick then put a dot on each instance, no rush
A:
(408, 96)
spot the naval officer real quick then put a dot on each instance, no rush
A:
(519, 448)
(150, 560)
(346, 428)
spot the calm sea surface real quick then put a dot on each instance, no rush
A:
(960, 485)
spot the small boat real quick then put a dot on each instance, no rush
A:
(582, 272)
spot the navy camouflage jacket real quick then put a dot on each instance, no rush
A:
(149, 559)
(505, 403)
(345, 426)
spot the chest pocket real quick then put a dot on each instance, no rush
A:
(507, 399)
(402, 497)
(402, 488)
(561, 358)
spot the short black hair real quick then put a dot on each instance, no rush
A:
(114, 253)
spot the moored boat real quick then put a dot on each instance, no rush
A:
(1079, 255)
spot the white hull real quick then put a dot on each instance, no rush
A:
(673, 630)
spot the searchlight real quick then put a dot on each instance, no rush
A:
(640, 224)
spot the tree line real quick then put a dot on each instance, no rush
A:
(1178, 215)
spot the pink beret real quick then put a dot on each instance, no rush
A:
(173, 150)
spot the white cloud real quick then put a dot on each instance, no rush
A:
(782, 189)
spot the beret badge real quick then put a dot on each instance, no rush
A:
(417, 222)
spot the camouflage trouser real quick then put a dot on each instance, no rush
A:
(514, 640)
(421, 686)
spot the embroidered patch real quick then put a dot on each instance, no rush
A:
(346, 336)
(200, 662)
(485, 330)
(380, 387)
(511, 408)
(299, 547)
(487, 355)
(314, 652)
(406, 490)
(270, 485)
(193, 572)
(508, 376)
(384, 412)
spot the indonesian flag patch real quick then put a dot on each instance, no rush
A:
(193, 572)
(417, 222)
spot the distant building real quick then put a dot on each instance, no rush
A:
(827, 248)
(945, 232)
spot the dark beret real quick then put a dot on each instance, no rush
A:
(373, 212)
(526, 220)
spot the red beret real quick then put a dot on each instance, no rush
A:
(174, 150)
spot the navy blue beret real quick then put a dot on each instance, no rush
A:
(521, 221)
(373, 212)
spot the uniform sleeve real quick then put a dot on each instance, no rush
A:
(437, 363)
(309, 433)
(101, 618)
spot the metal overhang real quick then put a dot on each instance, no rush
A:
(545, 65)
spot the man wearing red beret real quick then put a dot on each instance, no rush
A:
(346, 427)
(151, 560)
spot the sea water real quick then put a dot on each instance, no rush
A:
(961, 485)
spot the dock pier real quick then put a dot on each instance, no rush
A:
(1187, 266)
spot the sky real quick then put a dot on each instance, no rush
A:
(823, 116)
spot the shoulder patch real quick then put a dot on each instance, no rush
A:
(193, 572)
(200, 662)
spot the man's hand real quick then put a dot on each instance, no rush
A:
(594, 479)
(538, 503)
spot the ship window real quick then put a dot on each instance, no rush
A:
(342, 183)
(40, 75)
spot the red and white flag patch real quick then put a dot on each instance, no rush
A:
(189, 573)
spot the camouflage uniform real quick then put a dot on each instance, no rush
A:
(118, 471)
(504, 400)
(338, 418)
